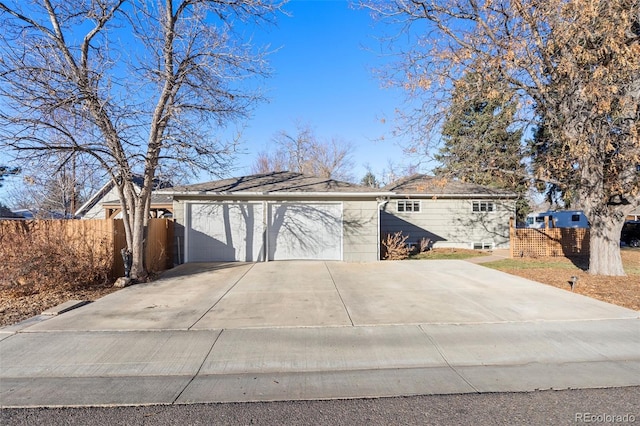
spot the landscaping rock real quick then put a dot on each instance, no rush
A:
(123, 282)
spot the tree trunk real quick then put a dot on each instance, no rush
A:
(604, 244)
(138, 270)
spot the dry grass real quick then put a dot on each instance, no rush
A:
(449, 253)
(621, 291)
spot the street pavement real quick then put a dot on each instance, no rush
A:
(303, 330)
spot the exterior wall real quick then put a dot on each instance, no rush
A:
(450, 222)
(360, 231)
(360, 226)
(97, 211)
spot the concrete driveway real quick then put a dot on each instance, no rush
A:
(307, 330)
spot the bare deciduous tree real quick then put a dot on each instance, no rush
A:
(57, 187)
(575, 66)
(138, 86)
(305, 153)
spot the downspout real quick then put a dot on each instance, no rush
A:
(380, 204)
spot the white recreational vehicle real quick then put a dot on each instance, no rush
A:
(557, 219)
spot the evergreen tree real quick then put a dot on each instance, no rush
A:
(479, 145)
(545, 151)
(370, 180)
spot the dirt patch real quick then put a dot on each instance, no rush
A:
(15, 307)
(621, 291)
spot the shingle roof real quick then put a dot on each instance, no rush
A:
(274, 182)
(419, 184)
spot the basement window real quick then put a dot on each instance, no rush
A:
(408, 206)
(483, 206)
(482, 246)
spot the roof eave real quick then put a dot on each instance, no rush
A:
(445, 195)
(280, 194)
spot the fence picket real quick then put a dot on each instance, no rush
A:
(105, 237)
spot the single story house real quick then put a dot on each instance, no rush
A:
(286, 215)
(276, 216)
(448, 213)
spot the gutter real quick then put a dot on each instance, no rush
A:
(276, 194)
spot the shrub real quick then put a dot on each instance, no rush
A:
(425, 245)
(394, 247)
(40, 255)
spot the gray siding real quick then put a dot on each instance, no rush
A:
(360, 234)
(450, 222)
(97, 211)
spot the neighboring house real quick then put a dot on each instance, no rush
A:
(105, 204)
(6, 213)
(30, 214)
(276, 216)
(634, 215)
(449, 213)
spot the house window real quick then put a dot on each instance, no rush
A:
(408, 206)
(483, 206)
(482, 246)
(575, 218)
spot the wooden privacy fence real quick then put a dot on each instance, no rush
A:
(158, 254)
(99, 238)
(548, 242)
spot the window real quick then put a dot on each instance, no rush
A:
(483, 206)
(408, 206)
(483, 246)
(575, 218)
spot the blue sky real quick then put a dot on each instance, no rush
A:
(324, 76)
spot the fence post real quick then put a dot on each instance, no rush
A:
(512, 241)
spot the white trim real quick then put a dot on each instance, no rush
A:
(428, 195)
(94, 199)
(187, 226)
(276, 194)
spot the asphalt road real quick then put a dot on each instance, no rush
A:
(571, 407)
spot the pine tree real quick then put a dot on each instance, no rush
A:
(479, 144)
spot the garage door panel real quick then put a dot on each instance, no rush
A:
(225, 232)
(305, 231)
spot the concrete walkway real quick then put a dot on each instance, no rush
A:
(494, 255)
(313, 330)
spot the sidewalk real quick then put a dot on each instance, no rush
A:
(201, 337)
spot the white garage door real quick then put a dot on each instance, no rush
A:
(305, 231)
(224, 232)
